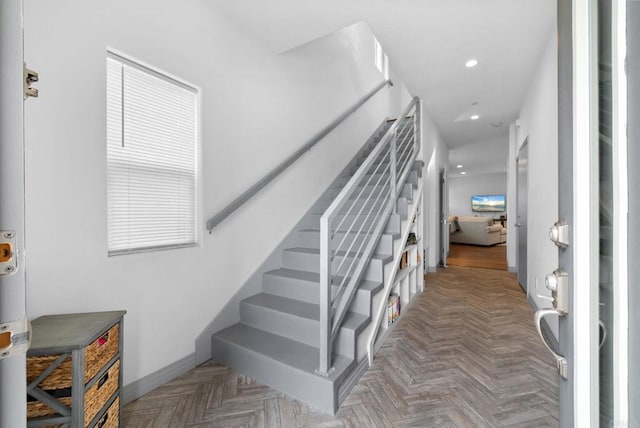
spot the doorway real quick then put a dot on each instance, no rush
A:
(443, 215)
(522, 192)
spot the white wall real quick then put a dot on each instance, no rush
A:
(461, 188)
(257, 108)
(539, 124)
(436, 156)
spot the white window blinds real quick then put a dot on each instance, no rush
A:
(151, 159)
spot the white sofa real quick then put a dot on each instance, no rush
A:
(475, 230)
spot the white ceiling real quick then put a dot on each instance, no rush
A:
(479, 157)
(428, 42)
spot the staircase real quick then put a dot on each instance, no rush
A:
(279, 336)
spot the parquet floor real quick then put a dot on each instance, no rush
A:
(478, 256)
(466, 354)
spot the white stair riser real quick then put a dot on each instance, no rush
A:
(304, 386)
(300, 329)
(309, 292)
(313, 222)
(311, 239)
(311, 263)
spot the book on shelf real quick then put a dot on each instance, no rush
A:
(412, 239)
(393, 308)
(404, 260)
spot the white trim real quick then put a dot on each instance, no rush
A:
(585, 244)
(620, 210)
(143, 66)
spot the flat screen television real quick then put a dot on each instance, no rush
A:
(488, 203)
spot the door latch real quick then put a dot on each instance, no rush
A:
(15, 337)
(559, 234)
(558, 283)
(30, 77)
(8, 259)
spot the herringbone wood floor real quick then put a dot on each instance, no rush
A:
(477, 256)
(466, 354)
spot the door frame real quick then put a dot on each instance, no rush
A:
(582, 328)
(13, 392)
(621, 409)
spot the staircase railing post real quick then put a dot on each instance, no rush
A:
(324, 367)
(393, 168)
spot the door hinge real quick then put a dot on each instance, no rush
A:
(15, 337)
(8, 259)
(30, 77)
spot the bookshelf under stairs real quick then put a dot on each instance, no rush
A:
(278, 339)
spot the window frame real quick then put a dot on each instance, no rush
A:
(154, 71)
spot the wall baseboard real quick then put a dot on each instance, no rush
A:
(148, 383)
(513, 269)
(353, 378)
(433, 269)
(546, 328)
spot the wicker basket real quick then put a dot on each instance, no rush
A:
(111, 418)
(36, 409)
(96, 356)
(100, 392)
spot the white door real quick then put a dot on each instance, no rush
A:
(633, 146)
(444, 218)
(522, 196)
(590, 286)
(13, 335)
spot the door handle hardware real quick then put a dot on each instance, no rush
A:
(29, 78)
(8, 259)
(542, 297)
(604, 334)
(561, 362)
(559, 234)
(558, 283)
(15, 338)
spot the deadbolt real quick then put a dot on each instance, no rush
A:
(559, 234)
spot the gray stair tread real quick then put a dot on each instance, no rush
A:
(384, 257)
(298, 308)
(315, 278)
(290, 352)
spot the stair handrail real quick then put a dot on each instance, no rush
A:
(260, 184)
(331, 314)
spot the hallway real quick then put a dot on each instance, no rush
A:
(476, 256)
(465, 355)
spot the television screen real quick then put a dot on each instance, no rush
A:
(488, 203)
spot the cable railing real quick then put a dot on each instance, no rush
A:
(251, 191)
(352, 225)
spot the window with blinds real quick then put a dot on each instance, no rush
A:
(151, 159)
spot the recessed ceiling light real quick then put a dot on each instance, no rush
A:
(471, 63)
(463, 173)
(496, 124)
(475, 117)
(475, 103)
(458, 166)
